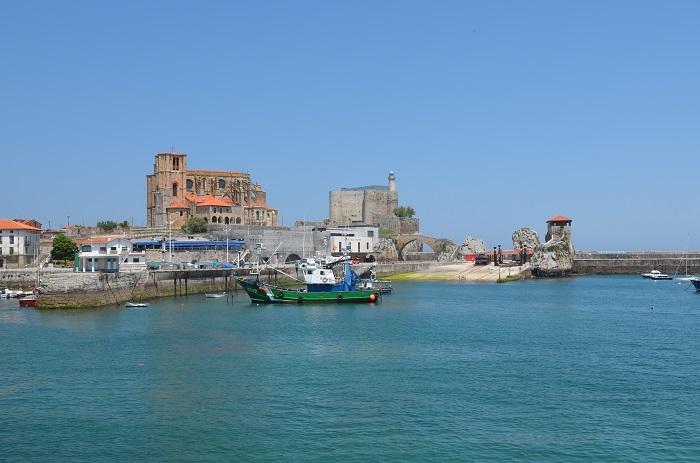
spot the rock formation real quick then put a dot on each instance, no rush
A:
(472, 246)
(386, 250)
(448, 252)
(555, 258)
(525, 238)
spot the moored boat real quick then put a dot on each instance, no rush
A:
(343, 291)
(695, 281)
(135, 304)
(215, 295)
(656, 275)
(28, 301)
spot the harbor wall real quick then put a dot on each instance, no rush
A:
(65, 289)
(632, 262)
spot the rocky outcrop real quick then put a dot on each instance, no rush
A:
(525, 238)
(385, 250)
(448, 252)
(554, 258)
(472, 246)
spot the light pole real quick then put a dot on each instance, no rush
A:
(227, 230)
(170, 243)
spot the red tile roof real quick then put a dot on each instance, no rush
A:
(177, 205)
(7, 224)
(209, 200)
(559, 218)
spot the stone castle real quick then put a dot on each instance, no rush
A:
(174, 194)
(370, 205)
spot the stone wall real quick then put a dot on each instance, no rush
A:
(594, 263)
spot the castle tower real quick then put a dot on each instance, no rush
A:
(557, 228)
(392, 181)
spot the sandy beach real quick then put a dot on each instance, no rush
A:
(462, 271)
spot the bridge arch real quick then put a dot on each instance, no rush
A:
(436, 244)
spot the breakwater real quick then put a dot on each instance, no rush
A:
(633, 262)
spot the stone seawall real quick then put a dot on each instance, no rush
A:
(72, 290)
(627, 263)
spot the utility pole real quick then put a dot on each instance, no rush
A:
(170, 245)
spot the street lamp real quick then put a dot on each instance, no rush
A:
(227, 230)
(170, 244)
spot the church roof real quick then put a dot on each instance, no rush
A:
(177, 205)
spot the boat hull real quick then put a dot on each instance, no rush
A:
(268, 294)
(27, 302)
(696, 282)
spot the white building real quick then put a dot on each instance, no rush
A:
(102, 254)
(354, 238)
(19, 243)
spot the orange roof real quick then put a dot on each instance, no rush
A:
(209, 200)
(177, 205)
(7, 224)
(193, 198)
(559, 218)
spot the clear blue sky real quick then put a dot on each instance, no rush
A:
(493, 115)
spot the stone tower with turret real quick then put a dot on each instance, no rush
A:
(558, 228)
(370, 205)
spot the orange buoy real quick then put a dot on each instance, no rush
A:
(371, 297)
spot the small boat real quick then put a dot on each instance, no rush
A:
(29, 301)
(696, 282)
(215, 295)
(136, 304)
(656, 275)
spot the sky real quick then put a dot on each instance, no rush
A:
(493, 115)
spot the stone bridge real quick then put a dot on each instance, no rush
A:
(436, 244)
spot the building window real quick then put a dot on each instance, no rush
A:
(213, 219)
(175, 189)
(136, 260)
(238, 220)
(176, 163)
(180, 213)
(222, 184)
(12, 240)
(189, 184)
(12, 251)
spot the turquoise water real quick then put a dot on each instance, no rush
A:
(560, 370)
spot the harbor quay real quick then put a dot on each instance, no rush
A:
(64, 288)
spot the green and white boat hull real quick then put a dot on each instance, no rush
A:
(261, 292)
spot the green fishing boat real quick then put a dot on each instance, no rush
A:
(262, 292)
(345, 290)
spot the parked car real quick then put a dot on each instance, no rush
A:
(482, 259)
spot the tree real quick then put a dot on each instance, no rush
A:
(63, 248)
(107, 226)
(195, 225)
(404, 211)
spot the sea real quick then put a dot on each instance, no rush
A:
(584, 369)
